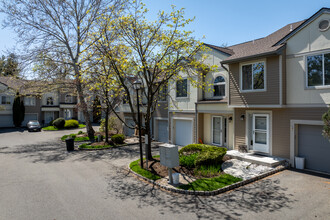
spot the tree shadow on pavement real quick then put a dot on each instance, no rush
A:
(265, 195)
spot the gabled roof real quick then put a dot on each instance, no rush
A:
(224, 50)
(262, 46)
(302, 25)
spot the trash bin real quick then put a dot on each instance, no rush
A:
(69, 144)
(99, 138)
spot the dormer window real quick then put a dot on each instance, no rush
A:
(219, 87)
(68, 99)
(50, 101)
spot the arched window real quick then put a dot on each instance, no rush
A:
(219, 87)
(50, 101)
(68, 99)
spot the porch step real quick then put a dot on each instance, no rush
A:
(269, 161)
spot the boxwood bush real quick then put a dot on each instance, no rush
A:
(201, 155)
(118, 138)
(71, 124)
(59, 123)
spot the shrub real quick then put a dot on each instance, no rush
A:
(59, 123)
(211, 155)
(188, 160)
(71, 124)
(118, 138)
(80, 132)
(112, 124)
(206, 155)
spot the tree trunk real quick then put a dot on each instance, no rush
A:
(107, 125)
(148, 132)
(89, 127)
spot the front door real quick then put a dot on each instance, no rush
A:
(49, 116)
(217, 130)
(261, 133)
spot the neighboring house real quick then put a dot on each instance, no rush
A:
(279, 87)
(202, 115)
(43, 107)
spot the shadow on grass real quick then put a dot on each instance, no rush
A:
(265, 195)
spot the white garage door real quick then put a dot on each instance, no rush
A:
(162, 131)
(129, 131)
(29, 117)
(183, 132)
(6, 121)
(314, 148)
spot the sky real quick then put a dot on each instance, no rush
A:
(222, 22)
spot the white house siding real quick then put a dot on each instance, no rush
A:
(307, 41)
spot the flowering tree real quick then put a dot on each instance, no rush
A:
(154, 52)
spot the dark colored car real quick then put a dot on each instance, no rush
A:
(33, 126)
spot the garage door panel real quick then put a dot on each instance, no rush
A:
(183, 132)
(314, 148)
(162, 131)
(6, 121)
(129, 131)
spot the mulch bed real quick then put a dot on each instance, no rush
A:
(156, 168)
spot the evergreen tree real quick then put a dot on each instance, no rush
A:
(18, 111)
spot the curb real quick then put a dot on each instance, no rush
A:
(214, 192)
(87, 149)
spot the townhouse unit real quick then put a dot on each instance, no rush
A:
(44, 107)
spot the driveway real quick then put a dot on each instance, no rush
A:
(40, 180)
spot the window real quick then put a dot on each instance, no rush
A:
(50, 101)
(181, 88)
(163, 93)
(5, 100)
(318, 70)
(253, 76)
(67, 114)
(219, 87)
(217, 130)
(29, 101)
(68, 99)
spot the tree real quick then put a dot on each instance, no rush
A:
(57, 31)
(18, 111)
(9, 65)
(326, 127)
(154, 52)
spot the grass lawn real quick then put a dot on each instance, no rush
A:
(52, 128)
(86, 146)
(210, 184)
(135, 166)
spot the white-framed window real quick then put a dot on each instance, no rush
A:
(5, 100)
(253, 76)
(29, 101)
(318, 70)
(50, 101)
(182, 88)
(219, 87)
(163, 93)
(68, 99)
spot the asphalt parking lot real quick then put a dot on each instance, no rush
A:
(39, 179)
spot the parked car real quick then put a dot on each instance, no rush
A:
(33, 126)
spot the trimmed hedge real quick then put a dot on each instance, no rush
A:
(59, 123)
(118, 138)
(201, 155)
(71, 124)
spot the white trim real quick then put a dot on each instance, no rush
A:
(241, 77)
(307, 53)
(182, 118)
(294, 134)
(216, 112)
(307, 87)
(221, 128)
